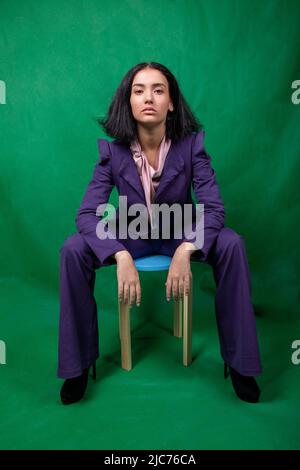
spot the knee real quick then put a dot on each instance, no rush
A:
(229, 238)
(74, 244)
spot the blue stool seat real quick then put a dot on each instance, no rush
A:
(153, 263)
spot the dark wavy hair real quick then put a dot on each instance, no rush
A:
(120, 123)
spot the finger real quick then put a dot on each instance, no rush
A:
(120, 291)
(181, 287)
(138, 294)
(186, 284)
(126, 292)
(168, 285)
(175, 288)
(131, 294)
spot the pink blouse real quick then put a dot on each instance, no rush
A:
(150, 176)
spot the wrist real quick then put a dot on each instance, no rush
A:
(121, 254)
(187, 248)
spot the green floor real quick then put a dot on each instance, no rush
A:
(159, 404)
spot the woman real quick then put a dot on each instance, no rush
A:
(157, 155)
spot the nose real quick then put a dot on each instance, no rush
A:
(148, 96)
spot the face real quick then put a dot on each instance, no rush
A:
(150, 88)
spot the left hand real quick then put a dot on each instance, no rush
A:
(179, 275)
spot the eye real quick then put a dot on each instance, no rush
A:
(160, 90)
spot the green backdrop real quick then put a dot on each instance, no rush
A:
(61, 62)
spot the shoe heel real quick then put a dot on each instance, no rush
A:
(245, 387)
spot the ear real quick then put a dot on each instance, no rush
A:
(171, 107)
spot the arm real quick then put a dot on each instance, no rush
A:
(98, 192)
(207, 192)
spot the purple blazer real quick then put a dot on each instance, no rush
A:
(187, 166)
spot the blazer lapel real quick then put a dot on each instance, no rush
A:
(174, 164)
(129, 172)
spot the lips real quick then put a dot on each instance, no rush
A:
(149, 109)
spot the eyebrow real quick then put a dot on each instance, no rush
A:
(153, 84)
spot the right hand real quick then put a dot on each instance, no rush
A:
(129, 288)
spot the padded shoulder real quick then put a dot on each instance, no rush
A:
(199, 139)
(104, 150)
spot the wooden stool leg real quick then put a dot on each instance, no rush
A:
(187, 326)
(177, 318)
(125, 336)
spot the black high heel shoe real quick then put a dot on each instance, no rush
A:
(74, 389)
(244, 386)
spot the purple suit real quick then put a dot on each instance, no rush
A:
(187, 164)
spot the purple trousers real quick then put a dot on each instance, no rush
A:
(78, 344)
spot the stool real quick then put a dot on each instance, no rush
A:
(158, 263)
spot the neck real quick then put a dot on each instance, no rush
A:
(150, 139)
